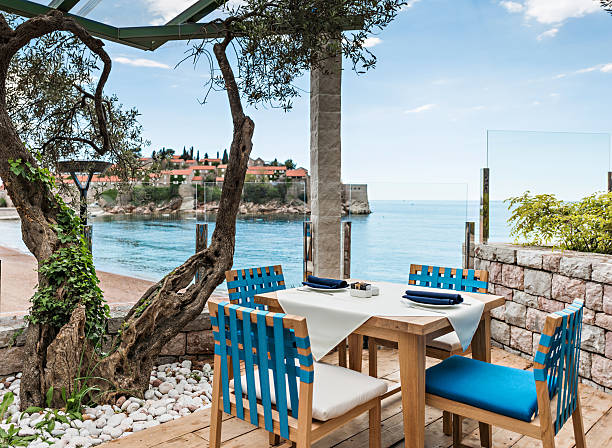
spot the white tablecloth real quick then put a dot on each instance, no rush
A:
(331, 317)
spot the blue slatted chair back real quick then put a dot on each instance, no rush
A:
(244, 284)
(558, 357)
(469, 280)
(261, 342)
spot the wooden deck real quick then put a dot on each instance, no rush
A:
(192, 431)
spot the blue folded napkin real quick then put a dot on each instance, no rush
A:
(325, 283)
(433, 298)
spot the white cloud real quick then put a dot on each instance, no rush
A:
(549, 33)
(512, 6)
(535, 103)
(588, 69)
(409, 4)
(557, 11)
(555, 95)
(603, 68)
(164, 10)
(423, 108)
(372, 42)
(551, 12)
(141, 62)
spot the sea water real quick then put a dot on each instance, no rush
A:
(384, 244)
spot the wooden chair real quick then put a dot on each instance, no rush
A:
(282, 390)
(536, 404)
(447, 345)
(244, 284)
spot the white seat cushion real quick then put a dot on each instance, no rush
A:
(336, 390)
(449, 342)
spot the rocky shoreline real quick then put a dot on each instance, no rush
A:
(294, 207)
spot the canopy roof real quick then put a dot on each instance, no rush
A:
(182, 27)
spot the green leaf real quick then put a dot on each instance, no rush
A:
(49, 397)
(33, 410)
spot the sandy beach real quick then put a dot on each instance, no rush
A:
(18, 281)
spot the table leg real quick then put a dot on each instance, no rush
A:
(481, 350)
(355, 343)
(412, 377)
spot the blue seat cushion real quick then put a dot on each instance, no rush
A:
(503, 390)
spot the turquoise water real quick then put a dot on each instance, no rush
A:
(384, 244)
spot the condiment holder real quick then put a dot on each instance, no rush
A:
(361, 289)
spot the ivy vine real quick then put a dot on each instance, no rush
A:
(70, 275)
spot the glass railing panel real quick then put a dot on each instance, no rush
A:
(411, 223)
(569, 165)
(269, 226)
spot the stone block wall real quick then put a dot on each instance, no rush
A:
(195, 341)
(537, 281)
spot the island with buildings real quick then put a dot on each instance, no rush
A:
(169, 183)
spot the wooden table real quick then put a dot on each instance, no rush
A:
(411, 333)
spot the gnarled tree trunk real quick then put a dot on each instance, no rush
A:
(163, 310)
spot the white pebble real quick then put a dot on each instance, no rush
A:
(149, 394)
(186, 364)
(101, 422)
(138, 417)
(164, 418)
(173, 393)
(24, 432)
(165, 387)
(115, 420)
(132, 407)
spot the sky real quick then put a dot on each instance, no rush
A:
(448, 71)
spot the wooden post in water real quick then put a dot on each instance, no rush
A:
(308, 260)
(468, 245)
(87, 234)
(346, 249)
(201, 242)
(609, 181)
(484, 205)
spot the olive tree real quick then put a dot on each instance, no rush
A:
(258, 52)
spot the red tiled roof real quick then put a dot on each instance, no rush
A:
(211, 160)
(268, 167)
(219, 179)
(202, 167)
(178, 172)
(261, 172)
(296, 173)
(224, 166)
(196, 178)
(190, 162)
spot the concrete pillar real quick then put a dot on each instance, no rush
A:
(325, 164)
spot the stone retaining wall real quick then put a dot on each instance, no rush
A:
(195, 341)
(537, 281)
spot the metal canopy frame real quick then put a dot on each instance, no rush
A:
(183, 27)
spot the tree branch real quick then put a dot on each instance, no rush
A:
(56, 21)
(233, 94)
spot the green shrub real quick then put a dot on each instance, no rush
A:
(584, 225)
(3, 202)
(260, 192)
(110, 195)
(208, 193)
(147, 193)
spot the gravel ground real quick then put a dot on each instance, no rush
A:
(175, 390)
